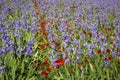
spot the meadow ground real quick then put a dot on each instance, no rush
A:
(59, 39)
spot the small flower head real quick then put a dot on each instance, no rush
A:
(108, 51)
(106, 63)
(45, 73)
(99, 51)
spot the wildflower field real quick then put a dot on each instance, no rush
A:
(59, 39)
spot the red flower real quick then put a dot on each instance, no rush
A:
(49, 69)
(60, 62)
(58, 66)
(79, 66)
(44, 73)
(89, 33)
(57, 44)
(119, 62)
(41, 47)
(107, 29)
(99, 51)
(117, 51)
(112, 42)
(43, 23)
(85, 59)
(70, 71)
(108, 50)
(84, 31)
(40, 67)
(38, 20)
(60, 49)
(46, 44)
(42, 27)
(46, 63)
(110, 58)
(37, 13)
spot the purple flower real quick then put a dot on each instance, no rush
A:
(79, 52)
(23, 23)
(64, 55)
(67, 61)
(67, 39)
(82, 36)
(18, 23)
(29, 51)
(103, 45)
(76, 59)
(69, 49)
(2, 69)
(118, 44)
(34, 28)
(4, 36)
(63, 34)
(113, 54)
(94, 34)
(49, 35)
(31, 42)
(94, 28)
(61, 28)
(53, 46)
(85, 43)
(76, 42)
(3, 50)
(94, 46)
(106, 63)
(56, 55)
(20, 49)
(50, 56)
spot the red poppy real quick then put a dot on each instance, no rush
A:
(99, 51)
(84, 31)
(119, 62)
(44, 34)
(85, 59)
(41, 47)
(43, 23)
(51, 22)
(60, 62)
(109, 58)
(117, 51)
(60, 49)
(46, 63)
(34, 63)
(40, 67)
(112, 42)
(108, 50)
(107, 29)
(42, 27)
(57, 44)
(107, 36)
(112, 34)
(44, 73)
(70, 71)
(89, 33)
(37, 13)
(38, 20)
(58, 66)
(79, 66)
(45, 44)
(49, 69)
